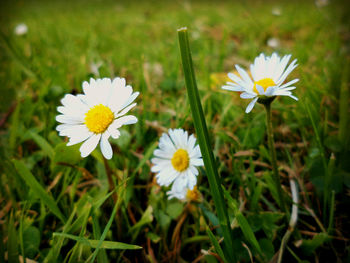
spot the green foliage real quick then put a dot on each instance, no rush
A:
(12, 244)
(47, 188)
(95, 243)
(37, 189)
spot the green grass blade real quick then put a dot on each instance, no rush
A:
(109, 223)
(21, 235)
(43, 144)
(148, 154)
(331, 212)
(247, 231)
(243, 223)
(204, 142)
(12, 245)
(2, 247)
(30, 180)
(317, 135)
(102, 255)
(14, 128)
(324, 162)
(54, 252)
(95, 243)
(216, 244)
(146, 218)
(22, 63)
(344, 105)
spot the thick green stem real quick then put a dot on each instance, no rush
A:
(276, 176)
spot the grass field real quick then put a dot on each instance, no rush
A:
(52, 201)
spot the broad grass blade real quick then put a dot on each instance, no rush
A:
(204, 142)
(94, 243)
(216, 245)
(12, 245)
(30, 180)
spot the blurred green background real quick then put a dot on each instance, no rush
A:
(68, 42)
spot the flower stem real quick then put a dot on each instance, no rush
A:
(276, 176)
(111, 183)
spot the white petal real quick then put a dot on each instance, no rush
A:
(289, 83)
(106, 147)
(69, 119)
(285, 93)
(192, 180)
(125, 111)
(235, 78)
(131, 99)
(179, 195)
(73, 110)
(288, 88)
(89, 145)
(191, 142)
(195, 153)
(166, 144)
(183, 138)
(193, 170)
(252, 71)
(282, 92)
(160, 166)
(233, 88)
(197, 162)
(162, 154)
(246, 95)
(270, 91)
(251, 105)
(281, 67)
(62, 127)
(174, 138)
(290, 68)
(161, 161)
(76, 140)
(245, 76)
(119, 83)
(260, 89)
(293, 97)
(180, 182)
(75, 131)
(125, 120)
(166, 176)
(119, 97)
(69, 99)
(114, 132)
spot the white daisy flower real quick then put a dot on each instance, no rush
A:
(185, 194)
(178, 195)
(97, 114)
(273, 42)
(21, 29)
(176, 160)
(269, 74)
(276, 11)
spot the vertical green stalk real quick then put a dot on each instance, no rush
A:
(331, 212)
(327, 187)
(111, 183)
(276, 176)
(121, 191)
(344, 105)
(204, 143)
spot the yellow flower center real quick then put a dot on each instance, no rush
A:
(180, 160)
(98, 118)
(265, 83)
(193, 195)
